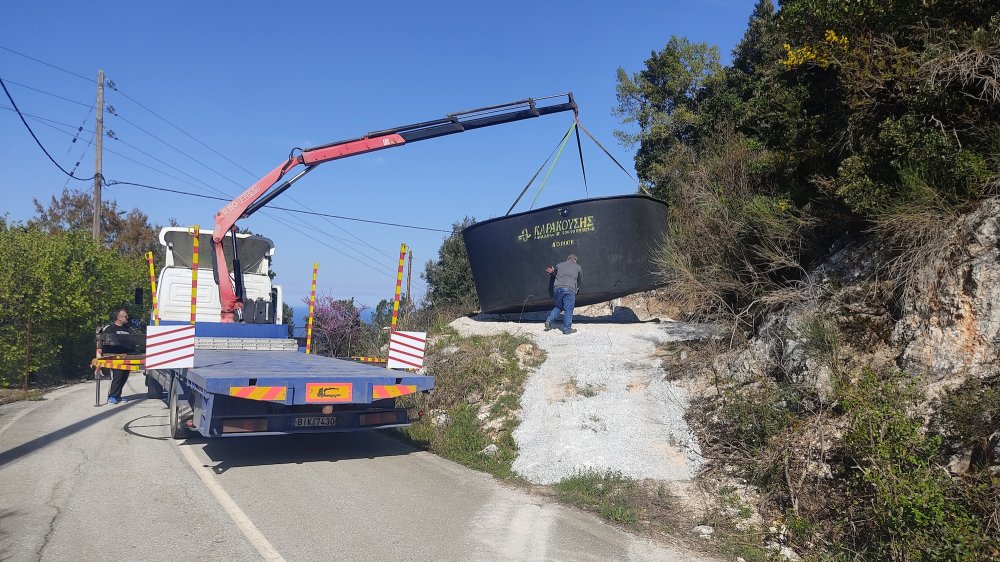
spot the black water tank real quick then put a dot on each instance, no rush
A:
(614, 239)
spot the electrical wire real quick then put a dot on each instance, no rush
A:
(110, 183)
(241, 186)
(27, 87)
(113, 86)
(47, 64)
(115, 182)
(40, 145)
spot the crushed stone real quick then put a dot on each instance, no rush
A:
(600, 401)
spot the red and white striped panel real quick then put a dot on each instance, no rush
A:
(406, 350)
(169, 347)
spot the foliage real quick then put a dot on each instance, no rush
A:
(288, 315)
(337, 327)
(733, 249)
(8, 395)
(65, 284)
(835, 113)
(900, 504)
(463, 440)
(609, 494)
(449, 280)
(663, 101)
(382, 315)
(128, 233)
(473, 375)
(968, 416)
(750, 416)
(836, 120)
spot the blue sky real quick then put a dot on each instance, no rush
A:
(233, 87)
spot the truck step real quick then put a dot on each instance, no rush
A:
(246, 344)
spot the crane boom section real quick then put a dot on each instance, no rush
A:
(260, 193)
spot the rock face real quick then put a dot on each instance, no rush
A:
(951, 323)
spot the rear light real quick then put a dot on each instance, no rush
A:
(378, 419)
(244, 425)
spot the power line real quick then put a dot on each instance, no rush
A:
(47, 64)
(23, 120)
(115, 182)
(217, 198)
(241, 186)
(206, 166)
(27, 87)
(85, 149)
(114, 87)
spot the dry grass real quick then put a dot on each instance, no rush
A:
(733, 252)
(8, 395)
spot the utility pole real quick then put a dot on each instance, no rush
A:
(98, 178)
(409, 270)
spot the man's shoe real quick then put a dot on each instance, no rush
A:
(548, 325)
(113, 400)
(569, 331)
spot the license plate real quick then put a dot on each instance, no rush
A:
(316, 421)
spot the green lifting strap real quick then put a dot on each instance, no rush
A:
(540, 168)
(562, 145)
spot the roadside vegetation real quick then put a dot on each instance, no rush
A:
(472, 413)
(871, 125)
(57, 285)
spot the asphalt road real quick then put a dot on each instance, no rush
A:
(86, 482)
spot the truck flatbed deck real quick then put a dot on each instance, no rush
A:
(219, 371)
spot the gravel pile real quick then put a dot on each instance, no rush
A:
(599, 401)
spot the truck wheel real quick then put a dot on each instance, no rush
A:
(180, 413)
(153, 387)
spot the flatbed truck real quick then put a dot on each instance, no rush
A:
(259, 384)
(246, 376)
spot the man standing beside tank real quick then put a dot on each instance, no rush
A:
(568, 276)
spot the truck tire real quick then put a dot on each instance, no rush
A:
(180, 413)
(153, 387)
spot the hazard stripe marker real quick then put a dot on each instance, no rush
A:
(392, 390)
(406, 350)
(267, 393)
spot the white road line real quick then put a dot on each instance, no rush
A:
(249, 530)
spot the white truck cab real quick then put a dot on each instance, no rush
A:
(262, 300)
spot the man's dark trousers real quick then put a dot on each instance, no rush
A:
(118, 379)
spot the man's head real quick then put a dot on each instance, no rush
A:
(571, 257)
(119, 316)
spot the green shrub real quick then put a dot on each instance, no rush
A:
(969, 418)
(749, 416)
(64, 284)
(900, 504)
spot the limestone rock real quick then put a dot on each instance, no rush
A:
(951, 320)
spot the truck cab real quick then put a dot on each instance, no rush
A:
(262, 299)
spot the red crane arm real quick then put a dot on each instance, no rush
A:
(261, 192)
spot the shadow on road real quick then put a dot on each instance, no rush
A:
(298, 449)
(620, 315)
(49, 438)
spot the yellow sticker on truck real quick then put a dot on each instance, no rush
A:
(329, 392)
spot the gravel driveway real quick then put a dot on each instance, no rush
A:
(600, 401)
